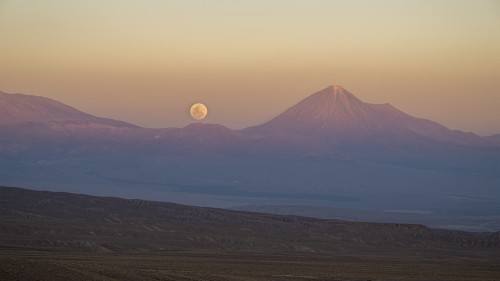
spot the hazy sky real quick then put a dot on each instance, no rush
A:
(146, 61)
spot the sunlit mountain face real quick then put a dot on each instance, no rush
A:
(337, 117)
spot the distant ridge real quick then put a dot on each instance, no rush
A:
(494, 137)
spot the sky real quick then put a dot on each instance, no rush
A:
(146, 62)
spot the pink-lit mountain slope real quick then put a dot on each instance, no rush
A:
(337, 117)
(20, 108)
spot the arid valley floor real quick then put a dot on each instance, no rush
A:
(220, 266)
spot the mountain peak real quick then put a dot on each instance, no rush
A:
(28, 108)
(333, 94)
(335, 88)
(331, 108)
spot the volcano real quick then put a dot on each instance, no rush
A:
(335, 116)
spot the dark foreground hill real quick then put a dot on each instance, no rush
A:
(64, 236)
(48, 220)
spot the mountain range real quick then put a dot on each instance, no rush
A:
(330, 149)
(328, 123)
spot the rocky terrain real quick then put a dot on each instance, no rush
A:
(61, 236)
(38, 220)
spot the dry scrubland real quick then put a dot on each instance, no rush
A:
(237, 266)
(63, 236)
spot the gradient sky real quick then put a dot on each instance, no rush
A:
(147, 61)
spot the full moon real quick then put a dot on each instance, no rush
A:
(198, 111)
